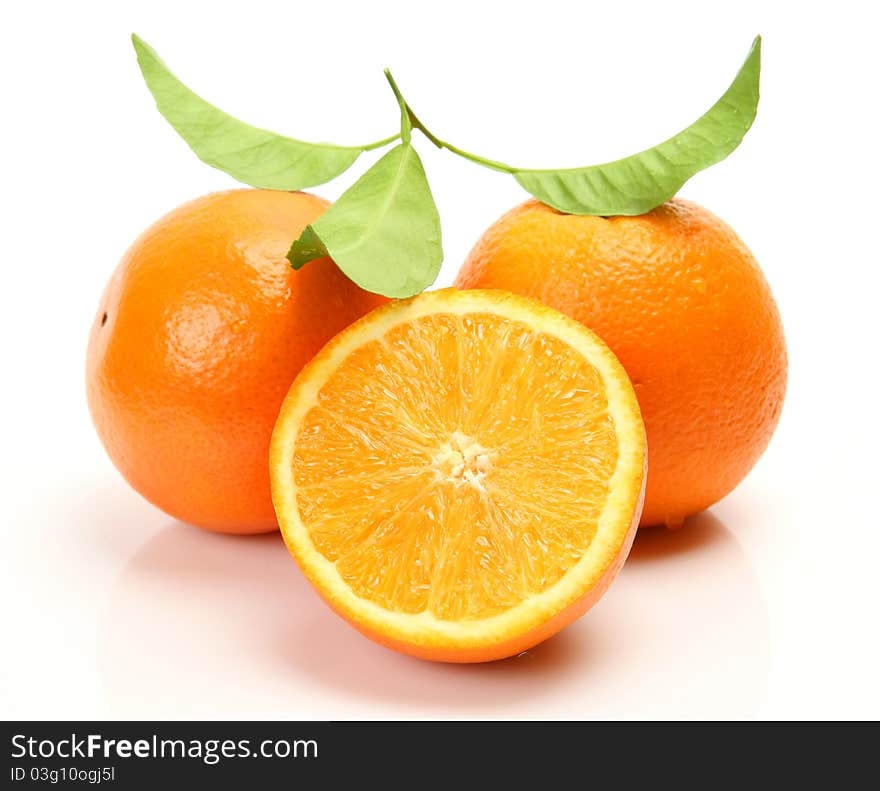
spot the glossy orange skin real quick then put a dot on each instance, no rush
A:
(683, 304)
(196, 340)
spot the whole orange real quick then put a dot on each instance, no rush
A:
(197, 338)
(683, 304)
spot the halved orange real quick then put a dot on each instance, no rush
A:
(460, 475)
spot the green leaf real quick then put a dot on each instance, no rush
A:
(641, 182)
(383, 232)
(251, 155)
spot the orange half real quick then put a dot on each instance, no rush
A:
(460, 475)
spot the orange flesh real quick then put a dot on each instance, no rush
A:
(440, 477)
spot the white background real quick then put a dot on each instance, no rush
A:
(766, 606)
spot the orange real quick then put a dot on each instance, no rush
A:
(460, 474)
(197, 338)
(682, 303)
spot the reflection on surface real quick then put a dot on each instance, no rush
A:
(204, 625)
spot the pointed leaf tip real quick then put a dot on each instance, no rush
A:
(383, 232)
(639, 183)
(251, 155)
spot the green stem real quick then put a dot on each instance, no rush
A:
(413, 122)
(405, 117)
(492, 164)
(380, 143)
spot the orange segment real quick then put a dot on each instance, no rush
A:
(460, 474)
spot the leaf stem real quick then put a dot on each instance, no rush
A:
(380, 143)
(413, 122)
(406, 124)
(492, 164)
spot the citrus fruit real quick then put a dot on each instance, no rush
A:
(682, 303)
(197, 338)
(460, 474)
